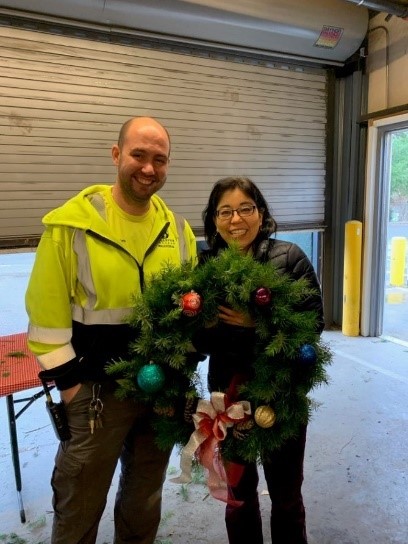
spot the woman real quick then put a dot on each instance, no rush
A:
(237, 213)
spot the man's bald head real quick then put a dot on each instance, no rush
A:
(140, 122)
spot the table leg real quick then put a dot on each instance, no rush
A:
(15, 454)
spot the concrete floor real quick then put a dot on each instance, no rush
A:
(356, 467)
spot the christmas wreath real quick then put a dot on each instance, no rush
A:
(288, 362)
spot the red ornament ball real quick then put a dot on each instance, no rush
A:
(191, 304)
(263, 296)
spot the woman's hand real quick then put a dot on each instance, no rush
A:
(233, 317)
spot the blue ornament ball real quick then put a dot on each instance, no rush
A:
(150, 378)
(307, 354)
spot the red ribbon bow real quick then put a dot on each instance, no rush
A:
(211, 420)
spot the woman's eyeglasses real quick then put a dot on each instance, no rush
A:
(242, 211)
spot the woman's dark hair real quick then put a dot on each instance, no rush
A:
(248, 187)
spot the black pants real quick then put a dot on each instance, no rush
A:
(284, 476)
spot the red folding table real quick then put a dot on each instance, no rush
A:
(18, 372)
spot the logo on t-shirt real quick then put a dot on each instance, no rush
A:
(167, 241)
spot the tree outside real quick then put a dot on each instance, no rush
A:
(399, 177)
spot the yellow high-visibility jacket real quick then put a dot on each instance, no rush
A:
(83, 282)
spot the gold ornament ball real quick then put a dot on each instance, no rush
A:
(264, 416)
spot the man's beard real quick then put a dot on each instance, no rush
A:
(132, 195)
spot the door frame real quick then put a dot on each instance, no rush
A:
(375, 223)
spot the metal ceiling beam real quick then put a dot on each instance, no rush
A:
(392, 8)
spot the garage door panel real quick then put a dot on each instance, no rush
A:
(63, 99)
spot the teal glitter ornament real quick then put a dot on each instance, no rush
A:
(307, 354)
(151, 378)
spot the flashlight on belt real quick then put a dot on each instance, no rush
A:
(57, 414)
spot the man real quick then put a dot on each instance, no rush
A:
(97, 251)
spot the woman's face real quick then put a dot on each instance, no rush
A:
(243, 229)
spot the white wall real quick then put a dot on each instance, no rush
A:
(388, 81)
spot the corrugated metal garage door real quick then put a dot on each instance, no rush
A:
(64, 97)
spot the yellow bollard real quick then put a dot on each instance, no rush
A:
(352, 278)
(397, 267)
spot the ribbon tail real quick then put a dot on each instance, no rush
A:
(234, 472)
(217, 477)
(186, 458)
(231, 473)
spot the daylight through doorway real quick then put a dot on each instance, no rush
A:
(395, 309)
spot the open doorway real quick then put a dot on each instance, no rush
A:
(384, 308)
(395, 312)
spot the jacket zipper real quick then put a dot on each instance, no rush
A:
(148, 251)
